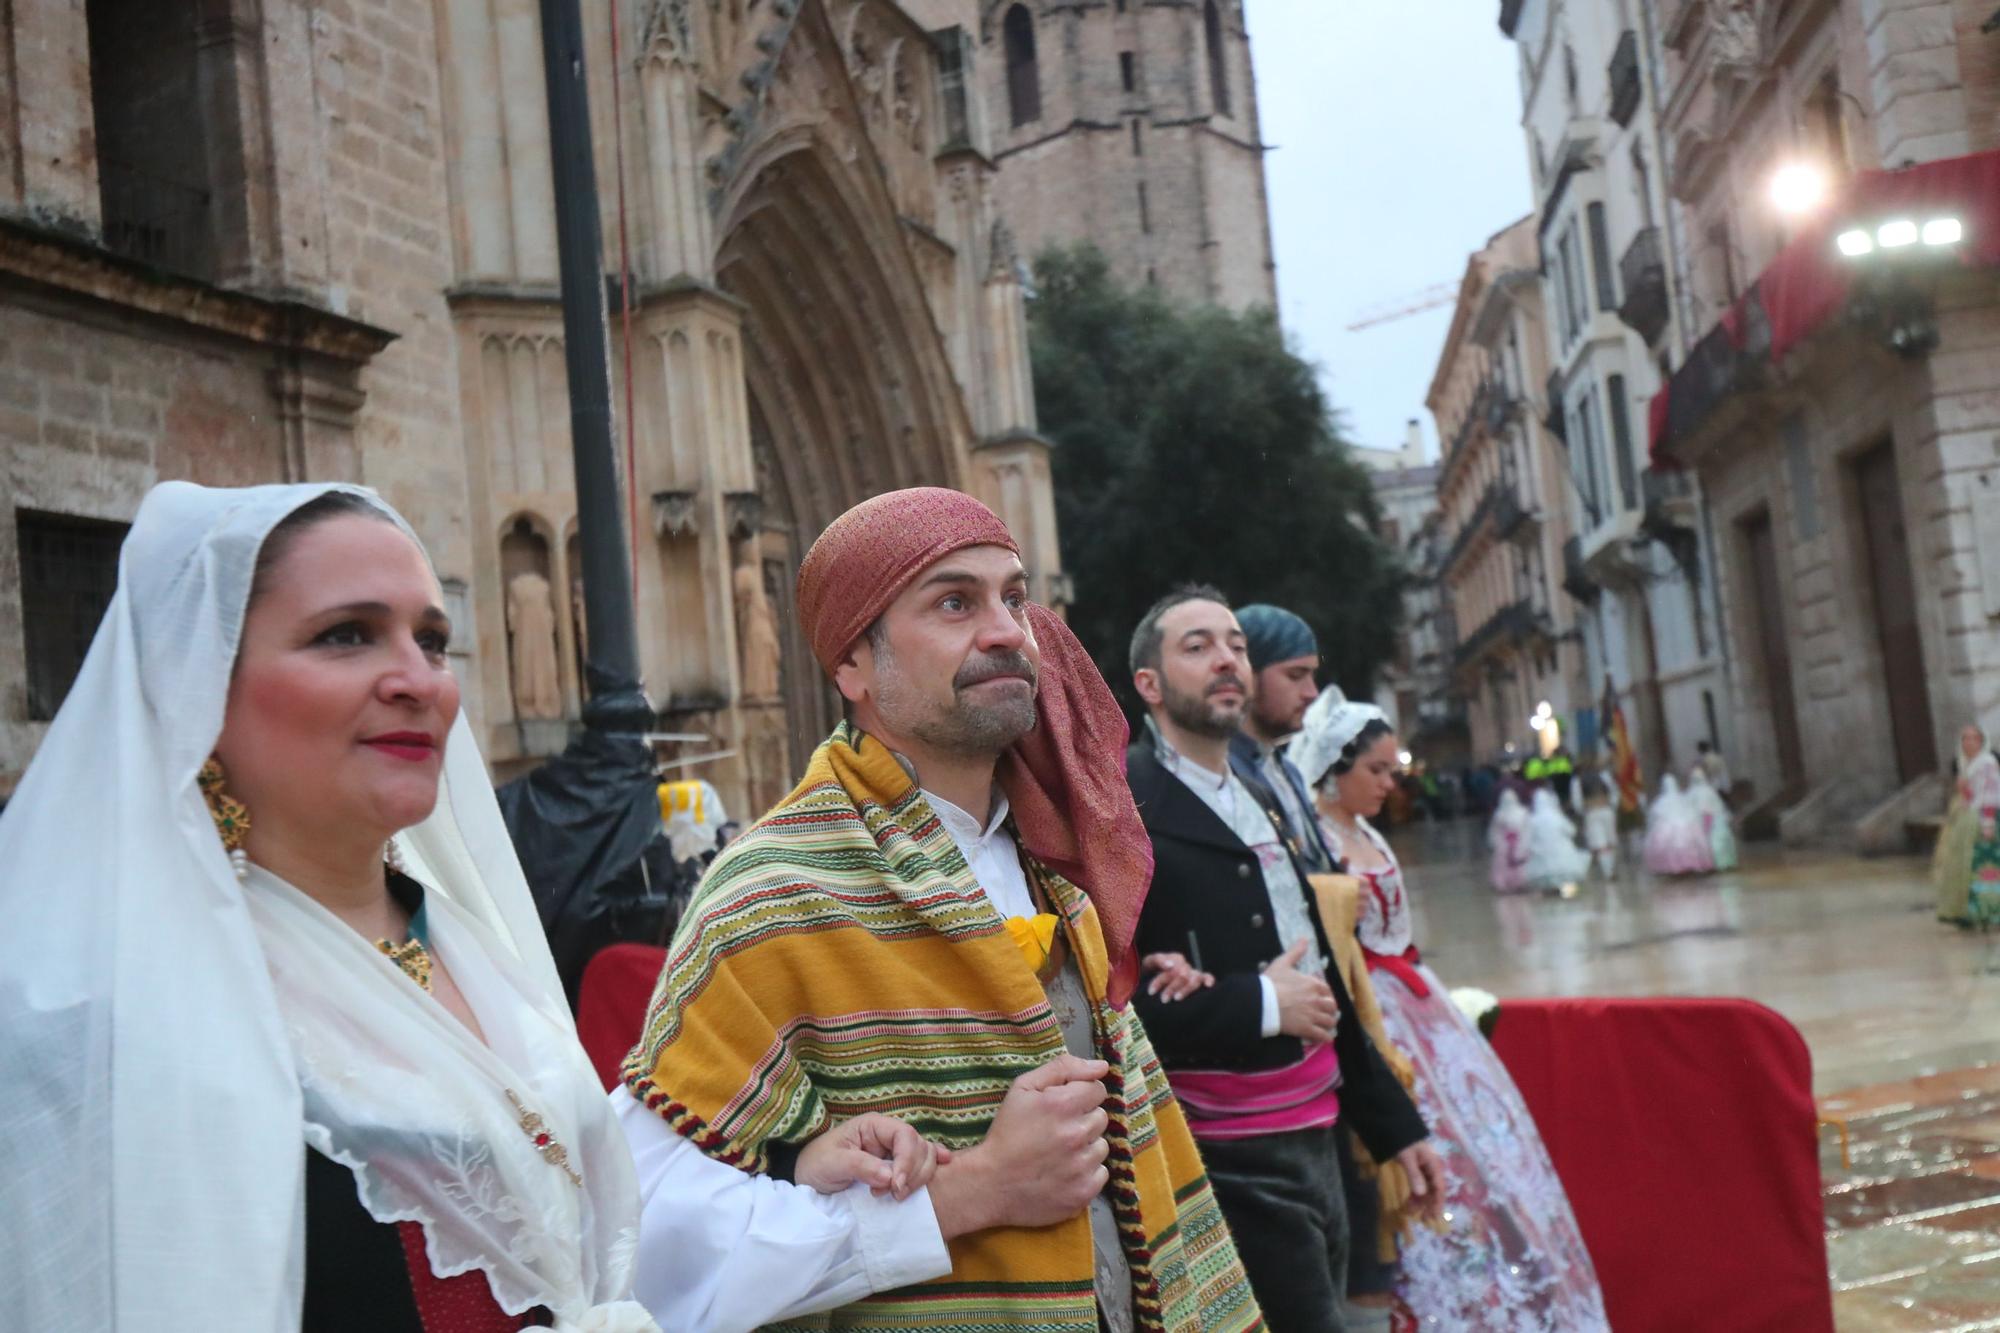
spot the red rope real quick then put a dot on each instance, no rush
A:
(625, 305)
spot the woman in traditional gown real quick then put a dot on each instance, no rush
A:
(1554, 859)
(1600, 823)
(1676, 842)
(1981, 780)
(1507, 837)
(1714, 815)
(1509, 1258)
(281, 1043)
(1951, 862)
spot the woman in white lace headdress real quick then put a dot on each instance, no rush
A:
(1554, 859)
(1714, 816)
(1510, 1255)
(1677, 841)
(281, 1044)
(1507, 839)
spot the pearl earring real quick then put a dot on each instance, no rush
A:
(232, 818)
(392, 856)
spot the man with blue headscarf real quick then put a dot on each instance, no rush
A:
(1284, 658)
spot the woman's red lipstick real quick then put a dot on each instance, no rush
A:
(414, 746)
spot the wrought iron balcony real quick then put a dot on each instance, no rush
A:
(1512, 623)
(1510, 516)
(1624, 77)
(1643, 275)
(1576, 577)
(1670, 503)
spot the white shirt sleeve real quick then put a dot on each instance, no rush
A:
(721, 1251)
(1271, 1016)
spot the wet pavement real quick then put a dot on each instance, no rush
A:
(1898, 1010)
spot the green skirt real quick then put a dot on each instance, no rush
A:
(1985, 897)
(1951, 863)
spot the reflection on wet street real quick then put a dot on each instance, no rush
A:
(1899, 1012)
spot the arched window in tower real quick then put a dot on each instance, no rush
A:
(1218, 56)
(1024, 79)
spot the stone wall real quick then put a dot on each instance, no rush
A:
(1077, 171)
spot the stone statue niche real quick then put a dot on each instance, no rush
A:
(757, 639)
(531, 623)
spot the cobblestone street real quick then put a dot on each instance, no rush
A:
(1897, 1008)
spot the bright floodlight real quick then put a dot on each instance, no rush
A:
(1895, 235)
(1943, 231)
(1403, 758)
(1856, 243)
(1798, 187)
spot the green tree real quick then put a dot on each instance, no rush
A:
(1193, 445)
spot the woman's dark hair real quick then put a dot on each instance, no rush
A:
(1371, 731)
(332, 504)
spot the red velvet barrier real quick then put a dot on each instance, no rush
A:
(1684, 1133)
(611, 1004)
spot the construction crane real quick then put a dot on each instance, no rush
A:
(1430, 298)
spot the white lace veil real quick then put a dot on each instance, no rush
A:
(1331, 721)
(157, 1087)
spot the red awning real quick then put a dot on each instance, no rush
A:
(1807, 283)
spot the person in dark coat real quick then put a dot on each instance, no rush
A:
(1267, 1061)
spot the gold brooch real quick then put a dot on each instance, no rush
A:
(412, 957)
(537, 1130)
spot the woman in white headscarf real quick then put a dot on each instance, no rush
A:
(281, 1043)
(1977, 781)
(1714, 815)
(1509, 1254)
(1507, 839)
(1676, 840)
(1554, 859)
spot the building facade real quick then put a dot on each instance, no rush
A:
(1133, 124)
(1504, 523)
(1638, 563)
(1839, 400)
(286, 241)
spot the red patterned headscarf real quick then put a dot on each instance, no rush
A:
(1065, 780)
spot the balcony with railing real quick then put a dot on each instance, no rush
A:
(1552, 409)
(1670, 508)
(1624, 78)
(1577, 581)
(1642, 273)
(1517, 621)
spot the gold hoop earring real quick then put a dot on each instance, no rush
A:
(231, 816)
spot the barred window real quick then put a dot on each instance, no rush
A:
(69, 568)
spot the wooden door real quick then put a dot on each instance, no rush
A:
(1887, 549)
(1767, 606)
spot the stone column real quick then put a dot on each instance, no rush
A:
(317, 403)
(675, 186)
(50, 153)
(696, 482)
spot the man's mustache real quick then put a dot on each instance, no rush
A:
(995, 666)
(1224, 683)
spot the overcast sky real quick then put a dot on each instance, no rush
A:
(1396, 152)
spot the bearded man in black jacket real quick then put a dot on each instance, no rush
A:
(1262, 1061)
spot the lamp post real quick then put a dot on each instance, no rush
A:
(617, 702)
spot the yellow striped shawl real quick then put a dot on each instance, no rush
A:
(840, 958)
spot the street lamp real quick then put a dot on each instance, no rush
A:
(1798, 188)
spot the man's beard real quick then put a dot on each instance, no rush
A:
(1196, 713)
(966, 726)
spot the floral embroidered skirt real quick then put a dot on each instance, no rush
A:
(1510, 1259)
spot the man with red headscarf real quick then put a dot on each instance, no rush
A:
(937, 925)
